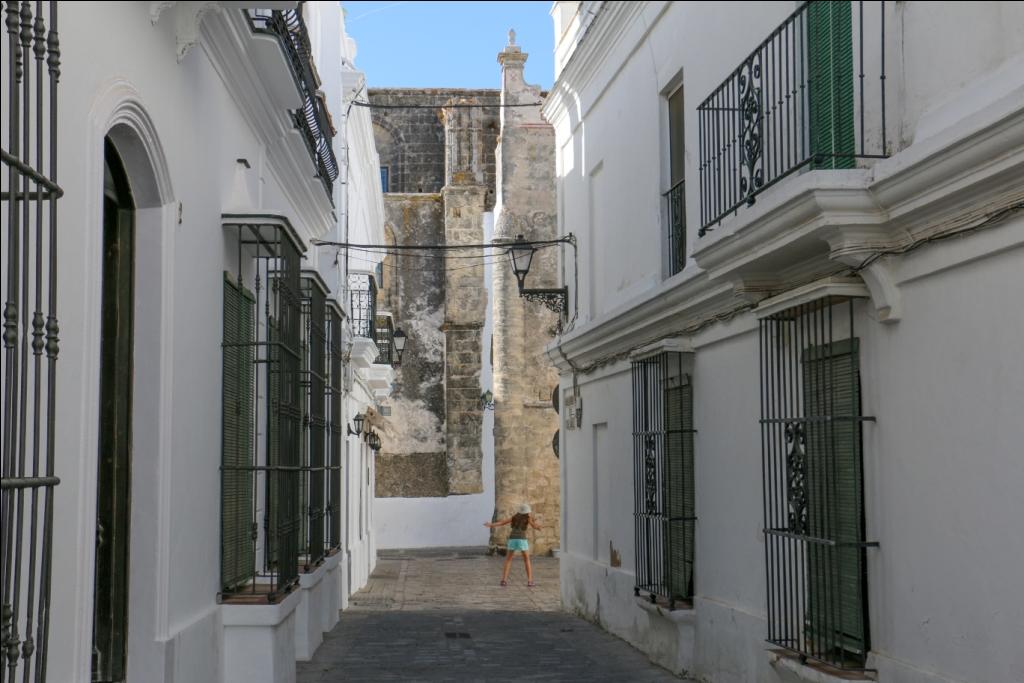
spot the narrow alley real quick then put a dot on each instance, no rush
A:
(440, 615)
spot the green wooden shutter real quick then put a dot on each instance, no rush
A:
(830, 62)
(237, 544)
(836, 613)
(679, 482)
(274, 435)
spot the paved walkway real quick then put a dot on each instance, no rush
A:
(439, 615)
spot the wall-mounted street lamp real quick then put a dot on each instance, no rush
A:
(399, 340)
(487, 400)
(358, 421)
(373, 441)
(556, 299)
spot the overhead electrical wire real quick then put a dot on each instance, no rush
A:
(440, 247)
(457, 105)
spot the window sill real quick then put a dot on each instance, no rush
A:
(792, 670)
(682, 613)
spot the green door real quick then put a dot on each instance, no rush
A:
(113, 486)
(830, 64)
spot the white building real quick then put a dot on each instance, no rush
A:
(212, 513)
(792, 396)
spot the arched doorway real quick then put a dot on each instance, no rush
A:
(113, 484)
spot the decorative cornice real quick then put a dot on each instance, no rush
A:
(230, 44)
(601, 38)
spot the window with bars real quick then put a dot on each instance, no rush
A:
(815, 543)
(663, 484)
(335, 425)
(313, 481)
(262, 415)
(363, 303)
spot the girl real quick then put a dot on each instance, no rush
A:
(517, 541)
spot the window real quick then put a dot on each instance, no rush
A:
(336, 424)
(385, 180)
(313, 493)
(237, 544)
(675, 195)
(663, 485)
(262, 416)
(814, 500)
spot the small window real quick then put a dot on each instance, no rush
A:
(675, 195)
(663, 454)
(385, 179)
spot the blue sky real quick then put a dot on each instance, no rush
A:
(448, 44)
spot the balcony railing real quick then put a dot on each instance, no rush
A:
(385, 346)
(676, 198)
(812, 95)
(363, 302)
(311, 119)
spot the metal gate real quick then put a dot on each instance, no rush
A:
(28, 277)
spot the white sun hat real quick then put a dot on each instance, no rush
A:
(524, 509)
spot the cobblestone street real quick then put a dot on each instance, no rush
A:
(439, 615)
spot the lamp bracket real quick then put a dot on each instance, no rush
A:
(556, 300)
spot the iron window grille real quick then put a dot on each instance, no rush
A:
(385, 333)
(312, 119)
(797, 101)
(313, 493)
(813, 483)
(363, 304)
(663, 485)
(262, 412)
(335, 425)
(28, 283)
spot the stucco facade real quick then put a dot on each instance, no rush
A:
(938, 322)
(197, 103)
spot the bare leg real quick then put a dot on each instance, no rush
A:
(529, 567)
(508, 565)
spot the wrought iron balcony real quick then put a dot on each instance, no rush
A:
(385, 331)
(312, 119)
(363, 302)
(812, 95)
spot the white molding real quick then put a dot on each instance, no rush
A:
(849, 287)
(364, 352)
(119, 103)
(232, 49)
(271, 614)
(618, 26)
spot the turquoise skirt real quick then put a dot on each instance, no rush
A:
(515, 544)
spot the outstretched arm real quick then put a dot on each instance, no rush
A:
(502, 522)
(534, 523)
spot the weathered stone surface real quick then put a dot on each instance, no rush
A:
(411, 142)
(415, 428)
(526, 468)
(411, 475)
(446, 168)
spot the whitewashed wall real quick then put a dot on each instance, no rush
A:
(120, 66)
(942, 465)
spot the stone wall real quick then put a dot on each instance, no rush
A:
(525, 422)
(411, 141)
(413, 462)
(447, 167)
